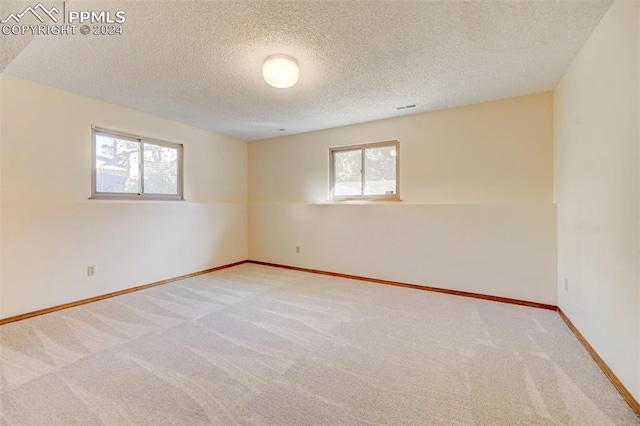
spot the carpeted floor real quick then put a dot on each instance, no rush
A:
(260, 345)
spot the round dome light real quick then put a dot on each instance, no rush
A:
(280, 71)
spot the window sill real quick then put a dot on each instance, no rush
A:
(364, 200)
(137, 199)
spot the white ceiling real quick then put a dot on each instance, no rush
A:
(200, 62)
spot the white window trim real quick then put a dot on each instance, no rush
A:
(382, 197)
(95, 195)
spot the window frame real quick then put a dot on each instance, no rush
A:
(394, 143)
(95, 195)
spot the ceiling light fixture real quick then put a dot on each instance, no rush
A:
(280, 71)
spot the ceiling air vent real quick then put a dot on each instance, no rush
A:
(406, 107)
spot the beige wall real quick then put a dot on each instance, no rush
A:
(51, 232)
(597, 190)
(1, 194)
(497, 152)
(476, 184)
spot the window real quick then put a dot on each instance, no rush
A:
(368, 171)
(126, 166)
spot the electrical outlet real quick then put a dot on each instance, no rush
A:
(297, 249)
(91, 270)
(566, 284)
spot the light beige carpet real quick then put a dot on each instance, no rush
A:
(260, 345)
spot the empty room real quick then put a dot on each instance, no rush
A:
(325, 212)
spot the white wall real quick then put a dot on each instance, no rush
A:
(51, 231)
(0, 195)
(476, 215)
(597, 191)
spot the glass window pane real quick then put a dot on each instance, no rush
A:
(117, 165)
(380, 170)
(347, 166)
(160, 169)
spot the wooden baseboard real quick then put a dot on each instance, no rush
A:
(114, 294)
(415, 286)
(635, 406)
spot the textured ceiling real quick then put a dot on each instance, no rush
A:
(10, 47)
(200, 62)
